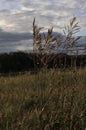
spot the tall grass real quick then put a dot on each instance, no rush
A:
(45, 44)
(55, 100)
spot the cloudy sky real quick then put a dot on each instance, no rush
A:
(16, 18)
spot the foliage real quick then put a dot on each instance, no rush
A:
(20, 61)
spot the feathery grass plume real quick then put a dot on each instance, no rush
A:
(71, 40)
(48, 43)
(45, 44)
(70, 31)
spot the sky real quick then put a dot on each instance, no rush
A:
(16, 17)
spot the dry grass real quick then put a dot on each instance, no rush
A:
(50, 42)
(53, 100)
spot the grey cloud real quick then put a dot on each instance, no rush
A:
(13, 37)
(15, 41)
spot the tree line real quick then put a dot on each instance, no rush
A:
(20, 61)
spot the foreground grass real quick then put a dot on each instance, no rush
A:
(53, 100)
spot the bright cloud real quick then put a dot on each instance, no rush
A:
(5, 25)
(2, 23)
(19, 14)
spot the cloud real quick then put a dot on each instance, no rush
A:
(13, 37)
(16, 16)
(15, 41)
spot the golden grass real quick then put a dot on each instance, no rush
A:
(53, 98)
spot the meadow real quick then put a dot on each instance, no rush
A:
(53, 95)
(49, 100)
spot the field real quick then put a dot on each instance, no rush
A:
(49, 100)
